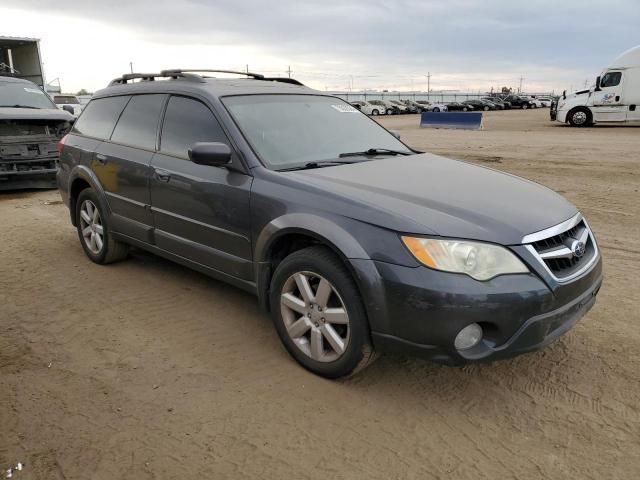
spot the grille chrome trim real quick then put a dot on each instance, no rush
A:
(563, 251)
(555, 230)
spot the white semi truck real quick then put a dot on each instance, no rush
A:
(614, 98)
(20, 57)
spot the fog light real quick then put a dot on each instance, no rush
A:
(468, 337)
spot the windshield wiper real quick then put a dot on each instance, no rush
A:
(317, 164)
(374, 151)
(19, 106)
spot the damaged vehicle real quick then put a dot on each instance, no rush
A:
(30, 127)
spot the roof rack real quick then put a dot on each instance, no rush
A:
(255, 76)
(191, 75)
(150, 77)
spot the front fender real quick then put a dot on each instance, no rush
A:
(312, 225)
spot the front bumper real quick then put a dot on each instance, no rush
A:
(419, 311)
(45, 178)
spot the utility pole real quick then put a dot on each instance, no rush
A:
(289, 71)
(428, 75)
(131, 66)
(247, 68)
(520, 89)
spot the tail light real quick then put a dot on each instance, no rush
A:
(61, 144)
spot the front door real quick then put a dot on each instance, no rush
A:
(608, 102)
(200, 212)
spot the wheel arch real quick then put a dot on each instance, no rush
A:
(293, 232)
(81, 177)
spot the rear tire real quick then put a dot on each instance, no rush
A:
(524, 106)
(580, 117)
(333, 347)
(94, 230)
(486, 109)
(436, 109)
(375, 112)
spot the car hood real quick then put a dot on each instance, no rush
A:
(35, 114)
(432, 195)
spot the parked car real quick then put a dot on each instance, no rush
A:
(69, 103)
(369, 108)
(500, 104)
(388, 107)
(30, 127)
(355, 242)
(402, 108)
(432, 107)
(545, 101)
(480, 105)
(534, 102)
(459, 107)
(518, 102)
(414, 107)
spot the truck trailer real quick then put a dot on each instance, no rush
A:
(20, 57)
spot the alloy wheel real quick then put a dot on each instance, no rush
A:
(91, 226)
(315, 316)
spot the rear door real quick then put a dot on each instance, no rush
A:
(123, 165)
(608, 103)
(200, 212)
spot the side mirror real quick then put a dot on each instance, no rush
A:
(210, 153)
(68, 108)
(564, 94)
(395, 134)
(597, 89)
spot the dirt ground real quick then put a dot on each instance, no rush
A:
(145, 369)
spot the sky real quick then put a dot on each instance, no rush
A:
(333, 45)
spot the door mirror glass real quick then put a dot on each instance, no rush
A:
(210, 153)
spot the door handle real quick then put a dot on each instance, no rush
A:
(163, 175)
(101, 159)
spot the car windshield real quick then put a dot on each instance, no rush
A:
(23, 95)
(291, 130)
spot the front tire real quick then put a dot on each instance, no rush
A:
(319, 314)
(486, 109)
(436, 109)
(524, 106)
(94, 231)
(375, 112)
(580, 117)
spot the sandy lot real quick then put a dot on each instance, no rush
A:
(145, 369)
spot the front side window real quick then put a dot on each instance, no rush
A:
(138, 124)
(100, 116)
(290, 130)
(23, 95)
(186, 122)
(611, 79)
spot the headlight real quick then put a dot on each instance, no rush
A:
(481, 261)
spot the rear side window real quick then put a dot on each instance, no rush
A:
(100, 116)
(611, 79)
(138, 124)
(186, 122)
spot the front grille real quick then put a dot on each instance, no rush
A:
(560, 251)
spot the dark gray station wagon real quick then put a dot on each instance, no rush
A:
(355, 242)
